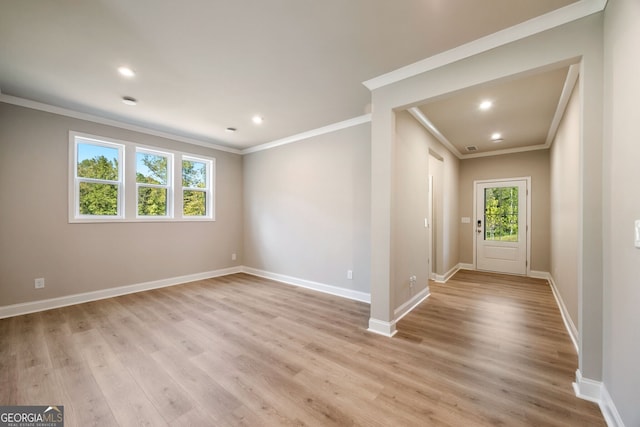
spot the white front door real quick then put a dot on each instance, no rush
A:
(501, 226)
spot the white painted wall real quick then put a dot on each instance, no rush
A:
(622, 208)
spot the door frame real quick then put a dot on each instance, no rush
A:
(475, 217)
(429, 225)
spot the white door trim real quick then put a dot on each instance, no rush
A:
(475, 216)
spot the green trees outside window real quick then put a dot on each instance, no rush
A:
(194, 183)
(501, 214)
(152, 175)
(101, 186)
(97, 170)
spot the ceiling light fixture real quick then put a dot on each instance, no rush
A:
(257, 120)
(485, 105)
(495, 136)
(230, 130)
(129, 100)
(126, 71)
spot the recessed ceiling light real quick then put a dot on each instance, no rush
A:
(129, 100)
(257, 119)
(126, 71)
(496, 136)
(485, 105)
(230, 130)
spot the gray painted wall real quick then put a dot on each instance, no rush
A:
(565, 206)
(307, 209)
(561, 45)
(36, 239)
(412, 169)
(532, 163)
(622, 207)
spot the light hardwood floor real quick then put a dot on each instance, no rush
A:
(483, 350)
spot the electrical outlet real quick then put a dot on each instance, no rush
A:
(39, 283)
(233, 257)
(350, 274)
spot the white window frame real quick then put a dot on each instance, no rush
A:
(128, 185)
(74, 191)
(168, 186)
(209, 193)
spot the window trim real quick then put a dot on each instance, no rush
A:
(74, 192)
(169, 186)
(209, 194)
(129, 187)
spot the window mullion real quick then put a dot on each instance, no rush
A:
(130, 189)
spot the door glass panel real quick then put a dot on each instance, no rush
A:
(501, 214)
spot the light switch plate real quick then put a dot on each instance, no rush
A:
(638, 233)
(466, 220)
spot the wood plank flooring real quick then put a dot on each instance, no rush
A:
(483, 350)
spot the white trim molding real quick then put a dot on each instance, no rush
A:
(566, 318)
(48, 304)
(412, 303)
(556, 18)
(596, 391)
(609, 410)
(356, 121)
(308, 284)
(444, 278)
(380, 327)
(587, 389)
(27, 103)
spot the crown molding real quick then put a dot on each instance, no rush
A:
(567, 90)
(424, 121)
(525, 29)
(27, 103)
(366, 118)
(21, 102)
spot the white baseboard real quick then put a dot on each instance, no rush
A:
(408, 306)
(466, 266)
(596, 391)
(47, 304)
(609, 410)
(316, 286)
(443, 278)
(587, 389)
(566, 318)
(539, 274)
(380, 327)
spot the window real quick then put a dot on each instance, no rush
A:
(196, 185)
(113, 180)
(98, 184)
(153, 183)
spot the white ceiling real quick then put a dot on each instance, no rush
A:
(204, 65)
(522, 112)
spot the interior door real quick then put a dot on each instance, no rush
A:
(501, 226)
